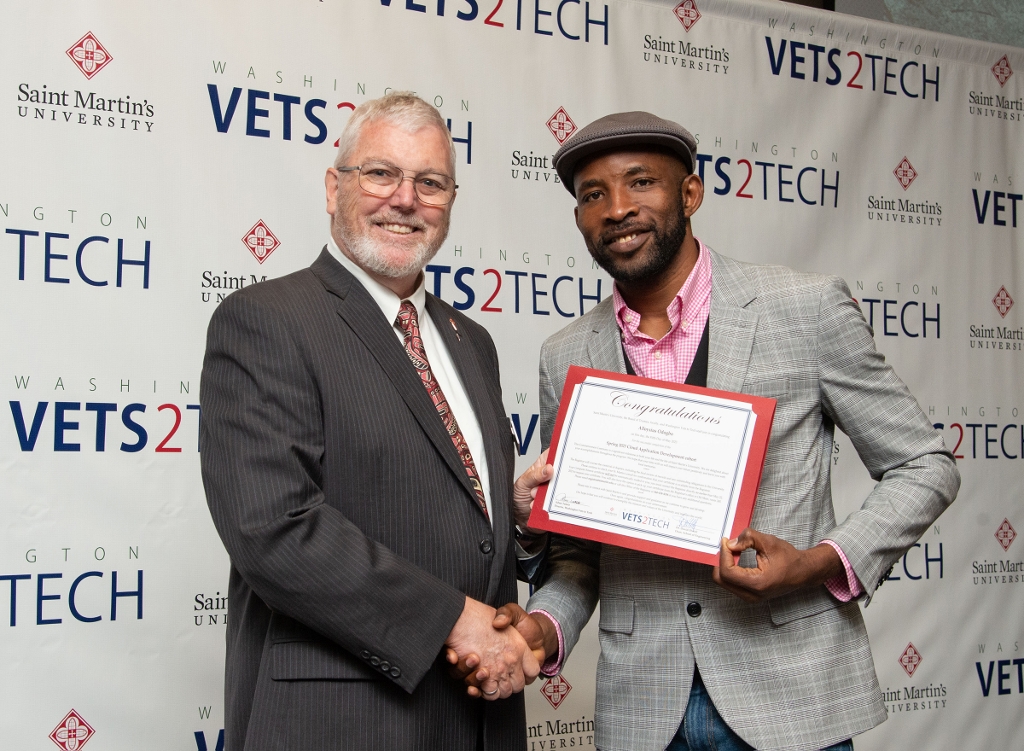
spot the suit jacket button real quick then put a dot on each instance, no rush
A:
(375, 661)
(395, 672)
(485, 546)
(365, 654)
(693, 609)
(385, 666)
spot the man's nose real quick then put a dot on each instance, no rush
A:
(405, 194)
(620, 204)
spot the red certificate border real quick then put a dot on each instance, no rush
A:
(763, 407)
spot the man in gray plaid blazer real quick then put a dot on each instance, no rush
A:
(772, 652)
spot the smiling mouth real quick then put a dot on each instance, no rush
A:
(399, 229)
(625, 242)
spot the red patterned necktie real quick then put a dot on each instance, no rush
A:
(408, 322)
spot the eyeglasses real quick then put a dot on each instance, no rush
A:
(382, 179)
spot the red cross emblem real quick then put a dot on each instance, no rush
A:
(910, 659)
(89, 55)
(72, 733)
(1003, 302)
(261, 241)
(1002, 70)
(1006, 534)
(687, 13)
(561, 125)
(905, 173)
(555, 690)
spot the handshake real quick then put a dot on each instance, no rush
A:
(497, 652)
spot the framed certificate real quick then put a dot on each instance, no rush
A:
(661, 467)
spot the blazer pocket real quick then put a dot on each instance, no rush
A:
(304, 660)
(616, 615)
(801, 604)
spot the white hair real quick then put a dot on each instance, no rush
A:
(402, 109)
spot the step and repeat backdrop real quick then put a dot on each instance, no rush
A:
(157, 157)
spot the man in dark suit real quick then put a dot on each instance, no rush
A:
(358, 466)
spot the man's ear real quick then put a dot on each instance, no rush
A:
(692, 194)
(331, 184)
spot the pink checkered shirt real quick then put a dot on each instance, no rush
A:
(669, 359)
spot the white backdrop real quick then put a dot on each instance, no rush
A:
(157, 156)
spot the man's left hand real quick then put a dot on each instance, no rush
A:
(525, 489)
(781, 568)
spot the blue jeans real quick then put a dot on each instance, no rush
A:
(703, 729)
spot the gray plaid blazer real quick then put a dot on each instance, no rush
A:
(795, 672)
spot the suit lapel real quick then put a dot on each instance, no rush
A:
(474, 381)
(604, 343)
(355, 306)
(732, 323)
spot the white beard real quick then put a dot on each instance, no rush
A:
(374, 256)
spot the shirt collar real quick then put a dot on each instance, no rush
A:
(629, 320)
(387, 300)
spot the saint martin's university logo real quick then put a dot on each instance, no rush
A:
(905, 173)
(555, 689)
(1003, 302)
(561, 125)
(89, 55)
(910, 659)
(1002, 70)
(260, 241)
(1006, 534)
(687, 13)
(72, 733)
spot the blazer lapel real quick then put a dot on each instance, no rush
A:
(604, 343)
(732, 324)
(484, 404)
(355, 306)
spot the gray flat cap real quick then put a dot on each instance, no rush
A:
(623, 130)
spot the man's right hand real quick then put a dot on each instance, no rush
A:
(538, 631)
(505, 661)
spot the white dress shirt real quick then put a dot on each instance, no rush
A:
(437, 355)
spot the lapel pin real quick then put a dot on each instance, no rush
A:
(455, 328)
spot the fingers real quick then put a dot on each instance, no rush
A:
(525, 489)
(502, 619)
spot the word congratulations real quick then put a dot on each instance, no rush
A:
(621, 401)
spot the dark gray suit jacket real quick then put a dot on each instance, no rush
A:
(353, 531)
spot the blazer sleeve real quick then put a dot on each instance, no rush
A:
(916, 476)
(262, 445)
(569, 578)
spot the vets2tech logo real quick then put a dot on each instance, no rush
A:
(905, 211)
(572, 20)
(996, 206)
(91, 108)
(889, 72)
(683, 54)
(261, 112)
